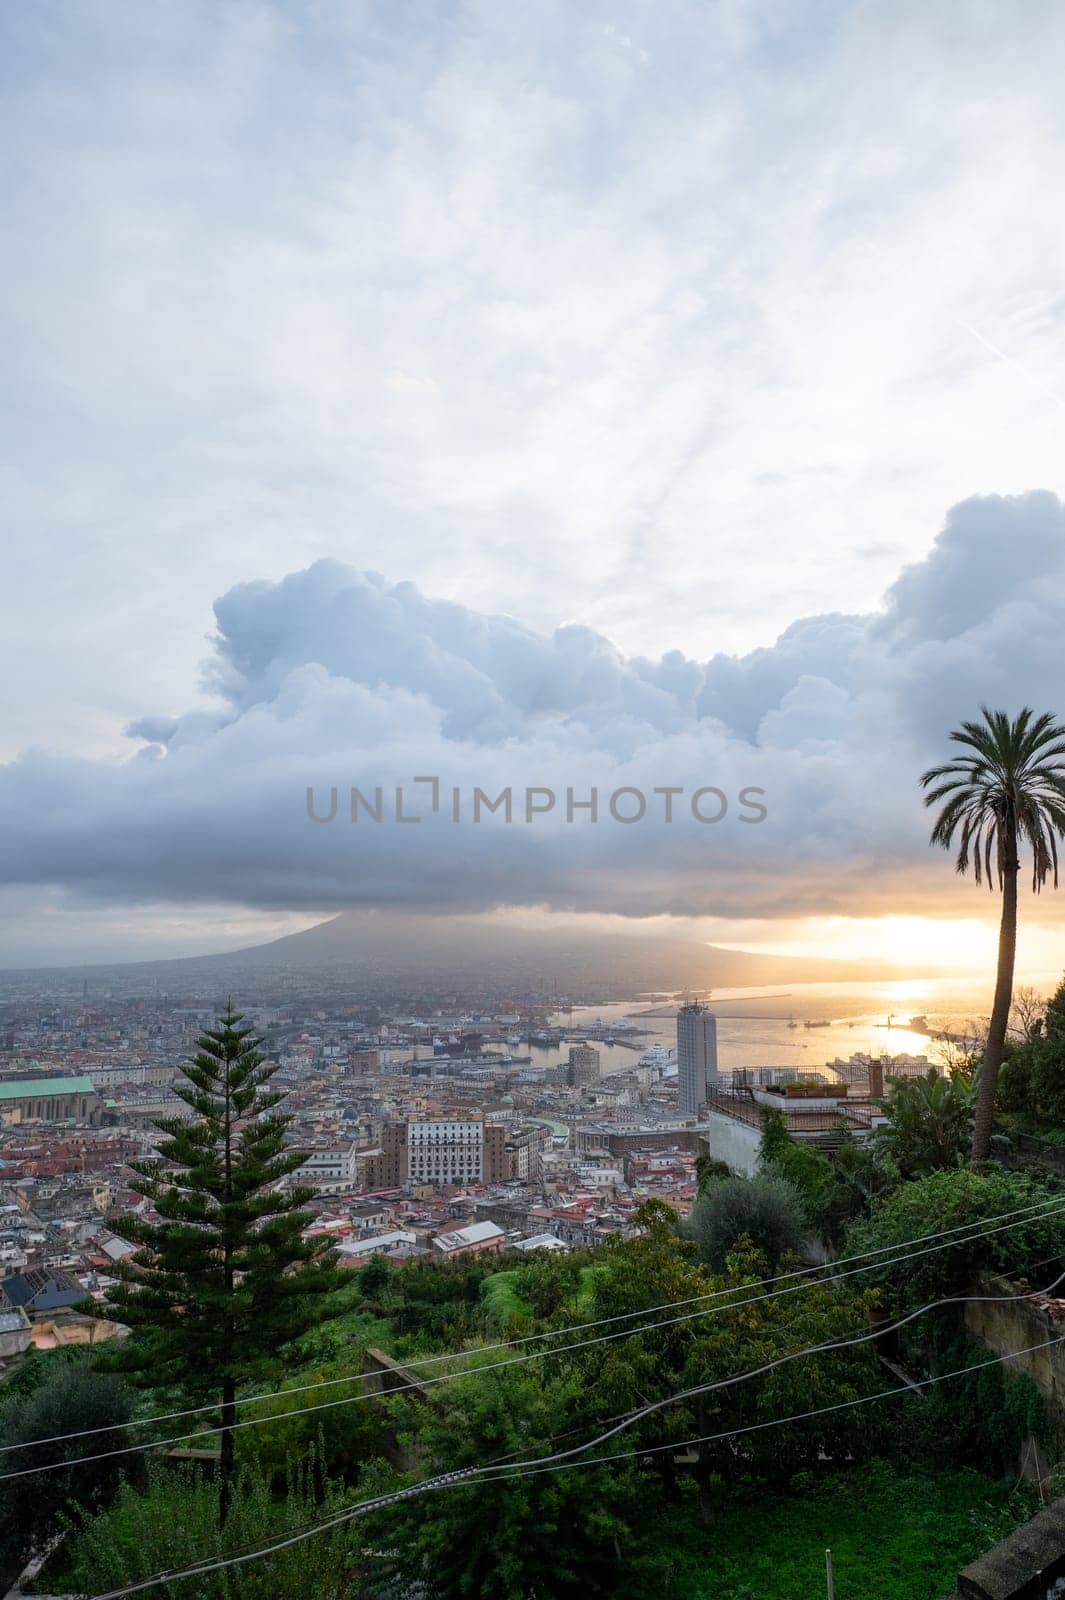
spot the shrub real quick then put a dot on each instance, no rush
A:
(173, 1522)
(67, 1397)
(767, 1209)
(950, 1200)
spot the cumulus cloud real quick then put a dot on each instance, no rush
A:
(687, 312)
(333, 678)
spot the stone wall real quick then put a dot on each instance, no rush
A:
(1028, 1565)
(1018, 1325)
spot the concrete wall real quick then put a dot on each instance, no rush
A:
(1028, 1565)
(734, 1142)
(1017, 1326)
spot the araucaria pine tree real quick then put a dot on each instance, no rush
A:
(224, 1278)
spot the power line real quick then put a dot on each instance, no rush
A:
(794, 1355)
(977, 1230)
(448, 1377)
(465, 1476)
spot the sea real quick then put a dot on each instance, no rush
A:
(767, 1027)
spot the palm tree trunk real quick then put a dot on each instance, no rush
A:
(1000, 1010)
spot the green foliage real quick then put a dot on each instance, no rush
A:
(56, 1398)
(225, 1279)
(542, 1537)
(769, 1210)
(729, 1330)
(836, 1187)
(577, 1533)
(708, 1168)
(503, 1301)
(173, 1521)
(954, 1199)
(893, 1535)
(374, 1278)
(1007, 786)
(979, 1420)
(343, 1431)
(929, 1122)
(549, 1281)
(437, 1304)
(1032, 1080)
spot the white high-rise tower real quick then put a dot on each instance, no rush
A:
(696, 1058)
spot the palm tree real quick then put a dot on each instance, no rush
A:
(1008, 786)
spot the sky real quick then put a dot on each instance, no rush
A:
(546, 395)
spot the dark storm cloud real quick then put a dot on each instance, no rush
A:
(333, 677)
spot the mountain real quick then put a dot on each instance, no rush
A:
(500, 951)
(395, 951)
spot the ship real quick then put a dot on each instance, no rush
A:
(661, 1057)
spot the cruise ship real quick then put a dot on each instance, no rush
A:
(663, 1057)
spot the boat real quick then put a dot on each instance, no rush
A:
(661, 1057)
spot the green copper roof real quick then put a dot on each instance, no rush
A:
(26, 1088)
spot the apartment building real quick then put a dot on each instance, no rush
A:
(440, 1152)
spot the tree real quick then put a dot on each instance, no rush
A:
(1032, 1081)
(374, 1278)
(58, 1397)
(173, 1522)
(546, 1536)
(768, 1210)
(1009, 785)
(929, 1122)
(1026, 1014)
(225, 1278)
(708, 1169)
(548, 1281)
(961, 1199)
(837, 1187)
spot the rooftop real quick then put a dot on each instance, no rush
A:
(20, 1088)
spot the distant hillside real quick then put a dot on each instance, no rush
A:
(463, 947)
(365, 949)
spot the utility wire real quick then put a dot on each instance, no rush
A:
(977, 1230)
(448, 1377)
(456, 1479)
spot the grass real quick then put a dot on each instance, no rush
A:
(501, 1299)
(895, 1536)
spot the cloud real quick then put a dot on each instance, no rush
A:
(663, 307)
(333, 678)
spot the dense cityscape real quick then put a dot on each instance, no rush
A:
(433, 1132)
(532, 800)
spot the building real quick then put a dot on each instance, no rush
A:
(583, 1065)
(113, 1076)
(40, 1290)
(369, 1217)
(15, 1332)
(474, 1240)
(356, 1251)
(441, 1153)
(333, 1168)
(542, 1241)
(49, 1099)
(697, 1073)
(823, 1114)
(523, 1154)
